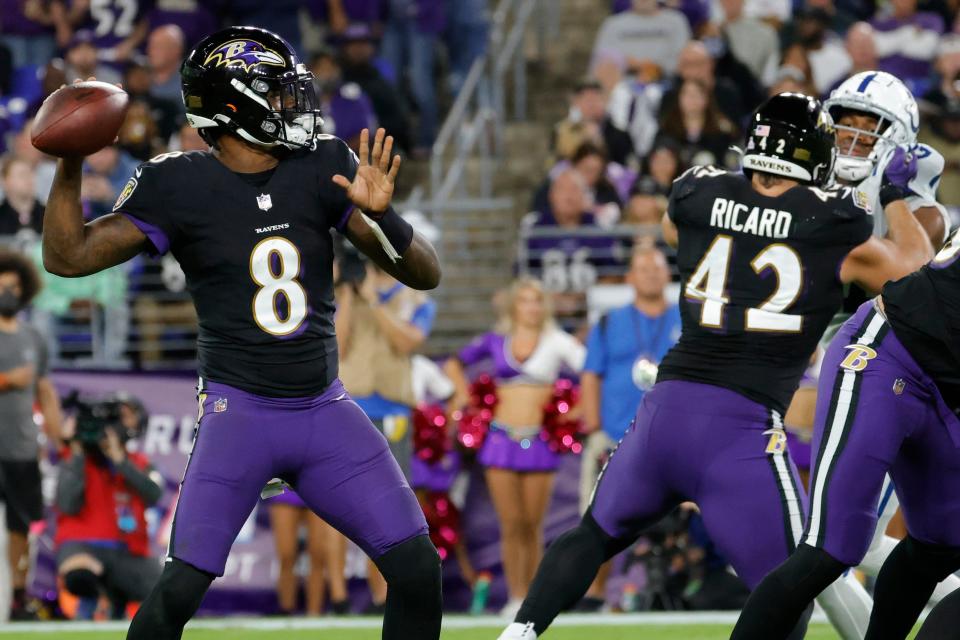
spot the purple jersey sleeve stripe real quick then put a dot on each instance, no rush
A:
(157, 237)
(344, 218)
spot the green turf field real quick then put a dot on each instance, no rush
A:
(636, 626)
(667, 632)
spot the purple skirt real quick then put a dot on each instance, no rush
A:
(499, 450)
(799, 451)
(435, 477)
(289, 496)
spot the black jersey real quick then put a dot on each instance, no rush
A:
(760, 279)
(924, 310)
(258, 256)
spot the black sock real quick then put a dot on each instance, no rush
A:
(173, 601)
(566, 571)
(414, 605)
(944, 621)
(778, 604)
(904, 585)
(19, 598)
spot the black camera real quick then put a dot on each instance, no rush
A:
(93, 418)
(353, 264)
(94, 415)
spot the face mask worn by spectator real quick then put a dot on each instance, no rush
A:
(9, 303)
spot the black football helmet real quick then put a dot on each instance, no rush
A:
(248, 81)
(791, 135)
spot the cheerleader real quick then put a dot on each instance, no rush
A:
(526, 355)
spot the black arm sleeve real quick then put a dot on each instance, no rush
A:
(141, 482)
(71, 485)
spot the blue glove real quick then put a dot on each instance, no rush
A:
(902, 167)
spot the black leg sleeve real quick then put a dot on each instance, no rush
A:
(171, 604)
(904, 586)
(944, 621)
(566, 571)
(776, 606)
(414, 595)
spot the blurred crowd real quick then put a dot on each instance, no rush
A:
(671, 84)
(592, 311)
(390, 63)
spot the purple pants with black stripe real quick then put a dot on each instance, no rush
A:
(715, 447)
(324, 446)
(878, 412)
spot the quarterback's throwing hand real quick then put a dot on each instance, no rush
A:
(372, 187)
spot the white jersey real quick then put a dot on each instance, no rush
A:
(923, 189)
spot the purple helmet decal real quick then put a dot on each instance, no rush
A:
(248, 54)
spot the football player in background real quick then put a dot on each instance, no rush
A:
(891, 376)
(759, 257)
(249, 222)
(873, 111)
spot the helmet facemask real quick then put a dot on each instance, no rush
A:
(854, 167)
(293, 110)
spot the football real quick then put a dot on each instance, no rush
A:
(79, 119)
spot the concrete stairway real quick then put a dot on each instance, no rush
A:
(478, 248)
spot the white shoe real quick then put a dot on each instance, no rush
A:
(518, 631)
(512, 608)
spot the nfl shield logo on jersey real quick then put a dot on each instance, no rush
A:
(220, 405)
(264, 202)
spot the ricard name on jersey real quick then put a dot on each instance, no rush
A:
(736, 216)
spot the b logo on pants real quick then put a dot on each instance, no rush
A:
(777, 443)
(858, 357)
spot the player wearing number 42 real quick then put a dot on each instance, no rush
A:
(249, 222)
(755, 301)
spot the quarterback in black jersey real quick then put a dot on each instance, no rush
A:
(250, 222)
(763, 258)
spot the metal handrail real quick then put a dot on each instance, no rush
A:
(479, 113)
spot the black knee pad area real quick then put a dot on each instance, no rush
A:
(412, 566)
(589, 528)
(181, 587)
(810, 566)
(82, 583)
(932, 560)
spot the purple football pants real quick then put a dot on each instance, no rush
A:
(325, 447)
(878, 412)
(714, 447)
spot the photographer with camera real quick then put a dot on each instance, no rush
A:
(23, 382)
(102, 495)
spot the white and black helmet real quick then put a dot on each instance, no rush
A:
(879, 94)
(791, 135)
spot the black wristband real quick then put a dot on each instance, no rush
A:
(890, 192)
(398, 231)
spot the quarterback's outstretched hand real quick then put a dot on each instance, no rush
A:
(372, 187)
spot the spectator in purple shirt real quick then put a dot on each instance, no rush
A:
(196, 18)
(26, 29)
(83, 60)
(346, 108)
(118, 28)
(411, 35)
(337, 15)
(279, 16)
(570, 264)
(468, 31)
(907, 42)
(357, 63)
